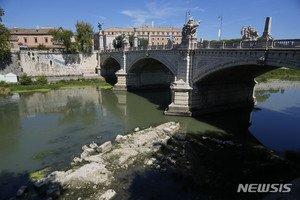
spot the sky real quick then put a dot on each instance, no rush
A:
(164, 13)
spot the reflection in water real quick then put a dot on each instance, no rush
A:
(64, 120)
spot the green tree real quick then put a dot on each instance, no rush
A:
(84, 37)
(25, 80)
(4, 38)
(63, 37)
(143, 42)
(42, 80)
(117, 43)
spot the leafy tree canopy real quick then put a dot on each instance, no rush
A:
(4, 38)
(84, 37)
(63, 38)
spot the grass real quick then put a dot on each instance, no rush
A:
(35, 87)
(280, 74)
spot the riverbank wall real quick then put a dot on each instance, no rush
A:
(50, 63)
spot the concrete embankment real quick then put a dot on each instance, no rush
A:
(97, 165)
(277, 85)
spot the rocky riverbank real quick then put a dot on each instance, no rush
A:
(97, 166)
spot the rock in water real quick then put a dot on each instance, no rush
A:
(109, 194)
(22, 190)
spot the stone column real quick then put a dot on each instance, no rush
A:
(267, 40)
(267, 31)
(135, 41)
(149, 41)
(122, 75)
(101, 41)
(98, 68)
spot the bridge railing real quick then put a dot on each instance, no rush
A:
(251, 44)
(288, 43)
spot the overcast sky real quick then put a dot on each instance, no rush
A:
(128, 13)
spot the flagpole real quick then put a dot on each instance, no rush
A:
(220, 30)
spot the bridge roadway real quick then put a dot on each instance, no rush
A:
(203, 77)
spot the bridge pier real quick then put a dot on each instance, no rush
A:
(181, 96)
(210, 98)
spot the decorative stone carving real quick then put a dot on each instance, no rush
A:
(189, 31)
(100, 26)
(125, 41)
(249, 33)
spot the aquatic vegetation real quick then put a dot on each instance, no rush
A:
(40, 174)
(40, 156)
(106, 87)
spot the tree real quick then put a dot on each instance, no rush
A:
(117, 43)
(84, 37)
(4, 38)
(63, 37)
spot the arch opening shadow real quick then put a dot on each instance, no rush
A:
(109, 69)
(149, 73)
(227, 89)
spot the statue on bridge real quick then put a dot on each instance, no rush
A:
(249, 34)
(125, 41)
(100, 26)
(189, 31)
(190, 28)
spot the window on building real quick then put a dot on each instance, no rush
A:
(12, 45)
(25, 40)
(46, 40)
(157, 43)
(35, 40)
(162, 43)
(163, 39)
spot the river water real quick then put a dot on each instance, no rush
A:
(48, 129)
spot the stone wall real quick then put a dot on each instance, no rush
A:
(36, 63)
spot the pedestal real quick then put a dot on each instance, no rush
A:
(121, 80)
(180, 105)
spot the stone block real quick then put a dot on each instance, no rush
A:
(104, 147)
(87, 152)
(109, 194)
(120, 138)
(93, 145)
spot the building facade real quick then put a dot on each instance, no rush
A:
(158, 35)
(31, 38)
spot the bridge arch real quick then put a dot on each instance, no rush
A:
(158, 58)
(149, 72)
(109, 67)
(250, 69)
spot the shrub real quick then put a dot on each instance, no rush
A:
(42, 80)
(41, 47)
(25, 80)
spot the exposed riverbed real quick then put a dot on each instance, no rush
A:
(49, 129)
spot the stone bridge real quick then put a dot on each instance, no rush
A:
(203, 76)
